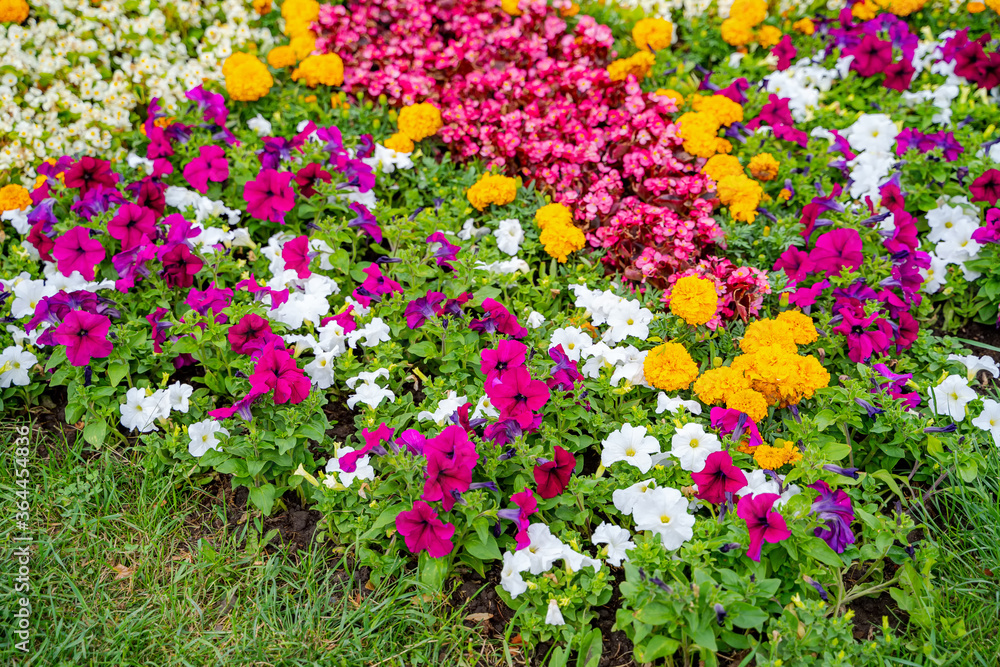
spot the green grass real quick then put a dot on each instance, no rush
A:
(128, 570)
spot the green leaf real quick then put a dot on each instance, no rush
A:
(263, 497)
(591, 649)
(821, 551)
(95, 431)
(656, 613)
(886, 477)
(433, 571)
(116, 371)
(74, 412)
(747, 616)
(284, 444)
(424, 348)
(487, 550)
(657, 647)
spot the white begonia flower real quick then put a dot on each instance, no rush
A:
(510, 576)
(178, 395)
(544, 549)
(139, 411)
(951, 396)
(628, 319)
(509, 236)
(989, 419)
(484, 408)
(445, 409)
(260, 125)
(364, 469)
(617, 539)
(320, 369)
(370, 335)
(692, 445)
(15, 362)
(204, 436)
(630, 444)
(553, 616)
(664, 510)
(535, 319)
(574, 341)
(973, 365)
(626, 499)
(673, 404)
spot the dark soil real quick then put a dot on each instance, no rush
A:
(868, 613)
(980, 333)
(341, 421)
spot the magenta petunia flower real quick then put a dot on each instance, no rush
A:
(899, 75)
(763, 524)
(131, 264)
(871, 56)
(159, 333)
(277, 370)
(445, 252)
(297, 256)
(565, 373)
(89, 172)
(366, 221)
(270, 196)
(210, 165)
(552, 477)
(85, 336)
(131, 224)
(863, 341)
(728, 420)
(837, 249)
(516, 395)
(718, 477)
(987, 187)
(250, 328)
(446, 479)
(308, 176)
(423, 308)
(795, 263)
(784, 52)
(76, 251)
(498, 320)
(508, 354)
(424, 531)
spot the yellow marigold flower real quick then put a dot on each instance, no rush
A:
(490, 189)
(419, 121)
(13, 11)
(400, 143)
(763, 167)
(801, 325)
(699, 132)
(247, 78)
(751, 12)
(768, 332)
(720, 166)
(557, 214)
(864, 11)
(281, 56)
(736, 32)
(976, 7)
(804, 26)
(719, 108)
(785, 194)
(303, 44)
(511, 7)
(262, 7)
(750, 402)
(672, 94)
(906, 7)
(741, 195)
(669, 367)
(694, 299)
(811, 376)
(326, 69)
(993, 4)
(561, 239)
(768, 36)
(571, 10)
(14, 197)
(299, 15)
(772, 458)
(638, 65)
(653, 34)
(715, 384)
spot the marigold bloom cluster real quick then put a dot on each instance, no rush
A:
(492, 189)
(553, 214)
(774, 457)
(638, 65)
(419, 121)
(281, 56)
(13, 11)
(694, 300)
(326, 69)
(763, 167)
(669, 367)
(742, 196)
(720, 166)
(400, 143)
(559, 236)
(653, 34)
(14, 197)
(247, 78)
(770, 372)
(700, 128)
(744, 16)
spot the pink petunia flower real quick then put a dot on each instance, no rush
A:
(424, 531)
(131, 223)
(763, 524)
(270, 196)
(76, 251)
(210, 165)
(85, 336)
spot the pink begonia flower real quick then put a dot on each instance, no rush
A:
(210, 165)
(270, 196)
(763, 524)
(424, 531)
(837, 249)
(297, 256)
(85, 336)
(76, 251)
(131, 224)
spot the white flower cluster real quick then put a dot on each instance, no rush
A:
(142, 408)
(63, 92)
(538, 558)
(950, 397)
(952, 223)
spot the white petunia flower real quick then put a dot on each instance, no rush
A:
(370, 335)
(692, 445)
(629, 318)
(510, 576)
(617, 539)
(626, 499)
(204, 436)
(15, 362)
(989, 419)
(574, 341)
(509, 236)
(951, 396)
(364, 469)
(664, 511)
(138, 412)
(535, 319)
(178, 395)
(630, 444)
(666, 403)
(974, 365)
(553, 616)
(320, 369)
(445, 409)
(544, 549)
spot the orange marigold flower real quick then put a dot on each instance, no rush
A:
(281, 56)
(694, 299)
(326, 69)
(801, 325)
(767, 333)
(804, 26)
(419, 121)
(400, 143)
(561, 239)
(742, 196)
(751, 12)
(763, 167)
(491, 189)
(750, 402)
(720, 166)
(669, 367)
(715, 384)
(247, 78)
(736, 32)
(772, 458)
(638, 65)
(262, 7)
(549, 214)
(13, 11)
(653, 34)
(14, 197)
(768, 36)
